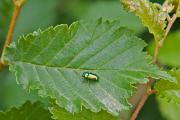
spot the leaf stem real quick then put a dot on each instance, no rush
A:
(156, 51)
(18, 5)
(170, 23)
(141, 103)
(145, 96)
(1, 66)
(158, 45)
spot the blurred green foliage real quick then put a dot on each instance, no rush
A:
(11, 94)
(6, 8)
(88, 11)
(169, 110)
(28, 111)
(35, 14)
(169, 54)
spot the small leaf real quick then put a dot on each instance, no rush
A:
(61, 114)
(54, 60)
(27, 111)
(150, 14)
(168, 90)
(176, 6)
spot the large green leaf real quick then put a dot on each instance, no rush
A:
(61, 114)
(168, 90)
(169, 53)
(54, 60)
(27, 111)
(150, 14)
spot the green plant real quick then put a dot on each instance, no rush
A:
(52, 63)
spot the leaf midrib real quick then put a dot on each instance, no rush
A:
(81, 69)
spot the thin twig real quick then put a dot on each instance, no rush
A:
(1, 66)
(141, 104)
(156, 51)
(143, 100)
(139, 107)
(171, 22)
(17, 8)
(158, 45)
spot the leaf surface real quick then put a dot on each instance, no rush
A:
(150, 14)
(54, 60)
(61, 114)
(27, 111)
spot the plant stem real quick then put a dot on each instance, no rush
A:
(141, 104)
(18, 5)
(156, 51)
(158, 45)
(170, 23)
(1, 65)
(139, 107)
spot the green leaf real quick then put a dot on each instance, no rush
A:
(150, 14)
(168, 90)
(54, 60)
(169, 53)
(170, 111)
(27, 111)
(61, 114)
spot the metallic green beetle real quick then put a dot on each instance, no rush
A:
(90, 76)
